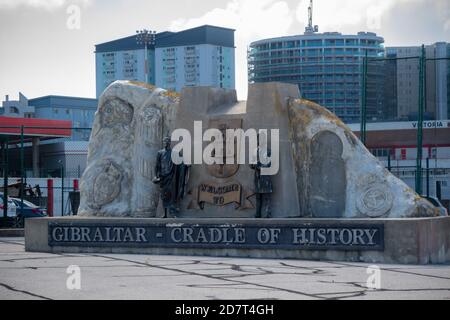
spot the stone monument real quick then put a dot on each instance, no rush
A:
(127, 134)
(329, 198)
(325, 171)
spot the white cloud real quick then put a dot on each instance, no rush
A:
(40, 4)
(252, 20)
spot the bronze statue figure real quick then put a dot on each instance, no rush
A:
(263, 184)
(172, 179)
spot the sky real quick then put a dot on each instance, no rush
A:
(47, 46)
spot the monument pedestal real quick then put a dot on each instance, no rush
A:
(403, 241)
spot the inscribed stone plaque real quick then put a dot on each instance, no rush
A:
(302, 236)
(327, 176)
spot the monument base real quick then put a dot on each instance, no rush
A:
(403, 241)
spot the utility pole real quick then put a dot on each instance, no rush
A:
(147, 38)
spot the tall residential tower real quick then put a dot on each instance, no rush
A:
(202, 56)
(437, 80)
(327, 67)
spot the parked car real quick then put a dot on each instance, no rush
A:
(12, 209)
(29, 210)
(435, 202)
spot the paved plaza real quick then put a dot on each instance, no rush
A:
(26, 275)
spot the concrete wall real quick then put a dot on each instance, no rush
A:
(267, 108)
(406, 241)
(205, 104)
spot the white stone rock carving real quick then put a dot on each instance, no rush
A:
(126, 136)
(107, 185)
(116, 112)
(147, 143)
(375, 201)
(371, 191)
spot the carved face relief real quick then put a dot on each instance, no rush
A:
(150, 125)
(116, 112)
(106, 185)
(149, 114)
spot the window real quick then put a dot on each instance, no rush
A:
(13, 110)
(433, 153)
(379, 153)
(403, 154)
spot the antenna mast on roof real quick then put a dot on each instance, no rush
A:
(310, 28)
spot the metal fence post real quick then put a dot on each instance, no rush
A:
(364, 99)
(439, 190)
(428, 177)
(5, 180)
(389, 161)
(50, 198)
(420, 123)
(62, 189)
(22, 166)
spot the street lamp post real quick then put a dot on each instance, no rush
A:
(147, 38)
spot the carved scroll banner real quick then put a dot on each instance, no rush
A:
(219, 195)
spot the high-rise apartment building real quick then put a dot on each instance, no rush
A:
(326, 66)
(202, 56)
(437, 80)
